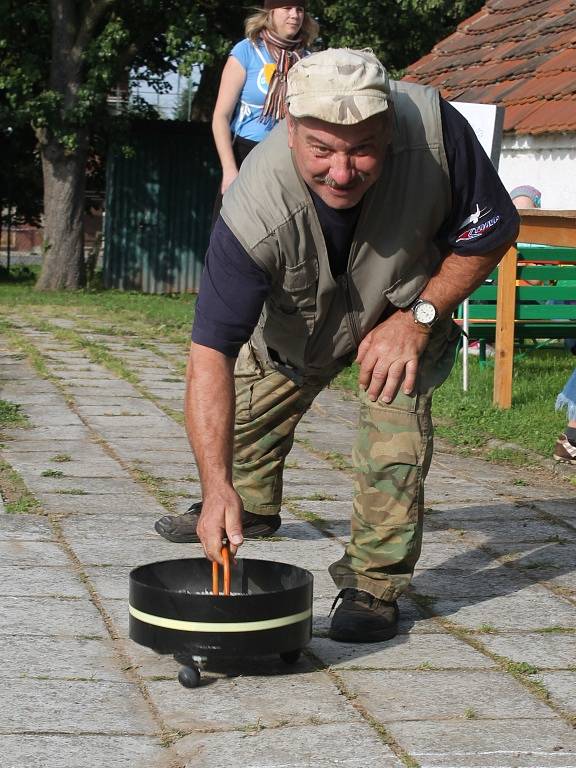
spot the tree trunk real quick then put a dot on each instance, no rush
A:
(64, 175)
(205, 97)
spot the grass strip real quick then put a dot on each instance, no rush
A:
(18, 500)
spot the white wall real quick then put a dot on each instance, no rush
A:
(547, 162)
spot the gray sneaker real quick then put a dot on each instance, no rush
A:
(181, 529)
(363, 618)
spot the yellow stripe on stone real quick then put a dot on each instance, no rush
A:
(208, 626)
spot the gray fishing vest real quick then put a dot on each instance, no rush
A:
(311, 320)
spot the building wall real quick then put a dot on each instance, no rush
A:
(547, 162)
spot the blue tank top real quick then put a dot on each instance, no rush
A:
(259, 66)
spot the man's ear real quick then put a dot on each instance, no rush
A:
(291, 121)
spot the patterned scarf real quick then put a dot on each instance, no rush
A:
(285, 52)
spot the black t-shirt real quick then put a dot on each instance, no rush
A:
(233, 288)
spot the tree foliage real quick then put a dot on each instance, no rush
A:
(62, 59)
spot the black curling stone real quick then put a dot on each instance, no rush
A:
(173, 611)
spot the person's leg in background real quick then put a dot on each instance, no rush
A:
(565, 449)
(241, 148)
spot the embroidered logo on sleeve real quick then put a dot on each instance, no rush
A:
(475, 217)
(473, 233)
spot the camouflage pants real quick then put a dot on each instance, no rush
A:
(391, 458)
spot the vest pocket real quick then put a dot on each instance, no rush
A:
(298, 289)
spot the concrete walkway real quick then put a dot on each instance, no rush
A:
(483, 673)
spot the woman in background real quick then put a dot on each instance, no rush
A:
(253, 85)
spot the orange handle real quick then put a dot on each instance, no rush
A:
(215, 576)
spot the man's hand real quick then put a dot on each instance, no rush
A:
(389, 355)
(221, 518)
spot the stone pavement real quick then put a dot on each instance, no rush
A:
(483, 672)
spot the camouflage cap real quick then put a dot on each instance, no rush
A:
(339, 85)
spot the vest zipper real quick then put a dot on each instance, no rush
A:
(352, 323)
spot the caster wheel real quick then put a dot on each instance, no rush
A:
(189, 677)
(291, 657)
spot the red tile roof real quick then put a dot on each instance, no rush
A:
(520, 54)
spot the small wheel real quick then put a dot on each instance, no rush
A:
(291, 657)
(189, 677)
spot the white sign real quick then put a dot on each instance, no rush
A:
(486, 121)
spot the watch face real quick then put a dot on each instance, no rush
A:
(425, 312)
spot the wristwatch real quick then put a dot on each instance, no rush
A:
(424, 312)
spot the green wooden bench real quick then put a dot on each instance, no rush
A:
(537, 315)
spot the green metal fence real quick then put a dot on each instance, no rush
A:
(159, 201)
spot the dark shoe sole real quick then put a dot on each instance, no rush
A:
(252, 529)
(372, 637)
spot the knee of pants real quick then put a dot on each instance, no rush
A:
(393, 434)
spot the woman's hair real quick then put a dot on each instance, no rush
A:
(263, 20)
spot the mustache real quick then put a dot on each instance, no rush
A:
(329, 181)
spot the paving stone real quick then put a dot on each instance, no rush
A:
(106, 388)
(149, 664)
(554, 555)
(152, 424)
(155, 459)
(114, 526)
(101, 467)
(542, 650)
(18, 390)
(170, 471)
(56, 435)
(516, 531)
(98, 503)
(298, 695)
(317, 746)
(78, 449)
(99, 404)
(105, 486)
(101, 399)
(70, 707)
(425, 695)
(117, 611)
(21, 552)
(484, 582)
(455, 489)
(50, 616)
(450, 514)
(25, 528)
(403, 652)
(298, 490)
(457, 555)
(563, 508)
(62, 658)
(498, 743)
(177, 390)
(126, 408)
(40, 397)
(567, 581)
(309, 554)
(299, 530)
(562, 687)
(137, 551)
(110, 583)
(43, 581)
(42, 415)
(184, 489)
(152, 445)
(530, 608)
